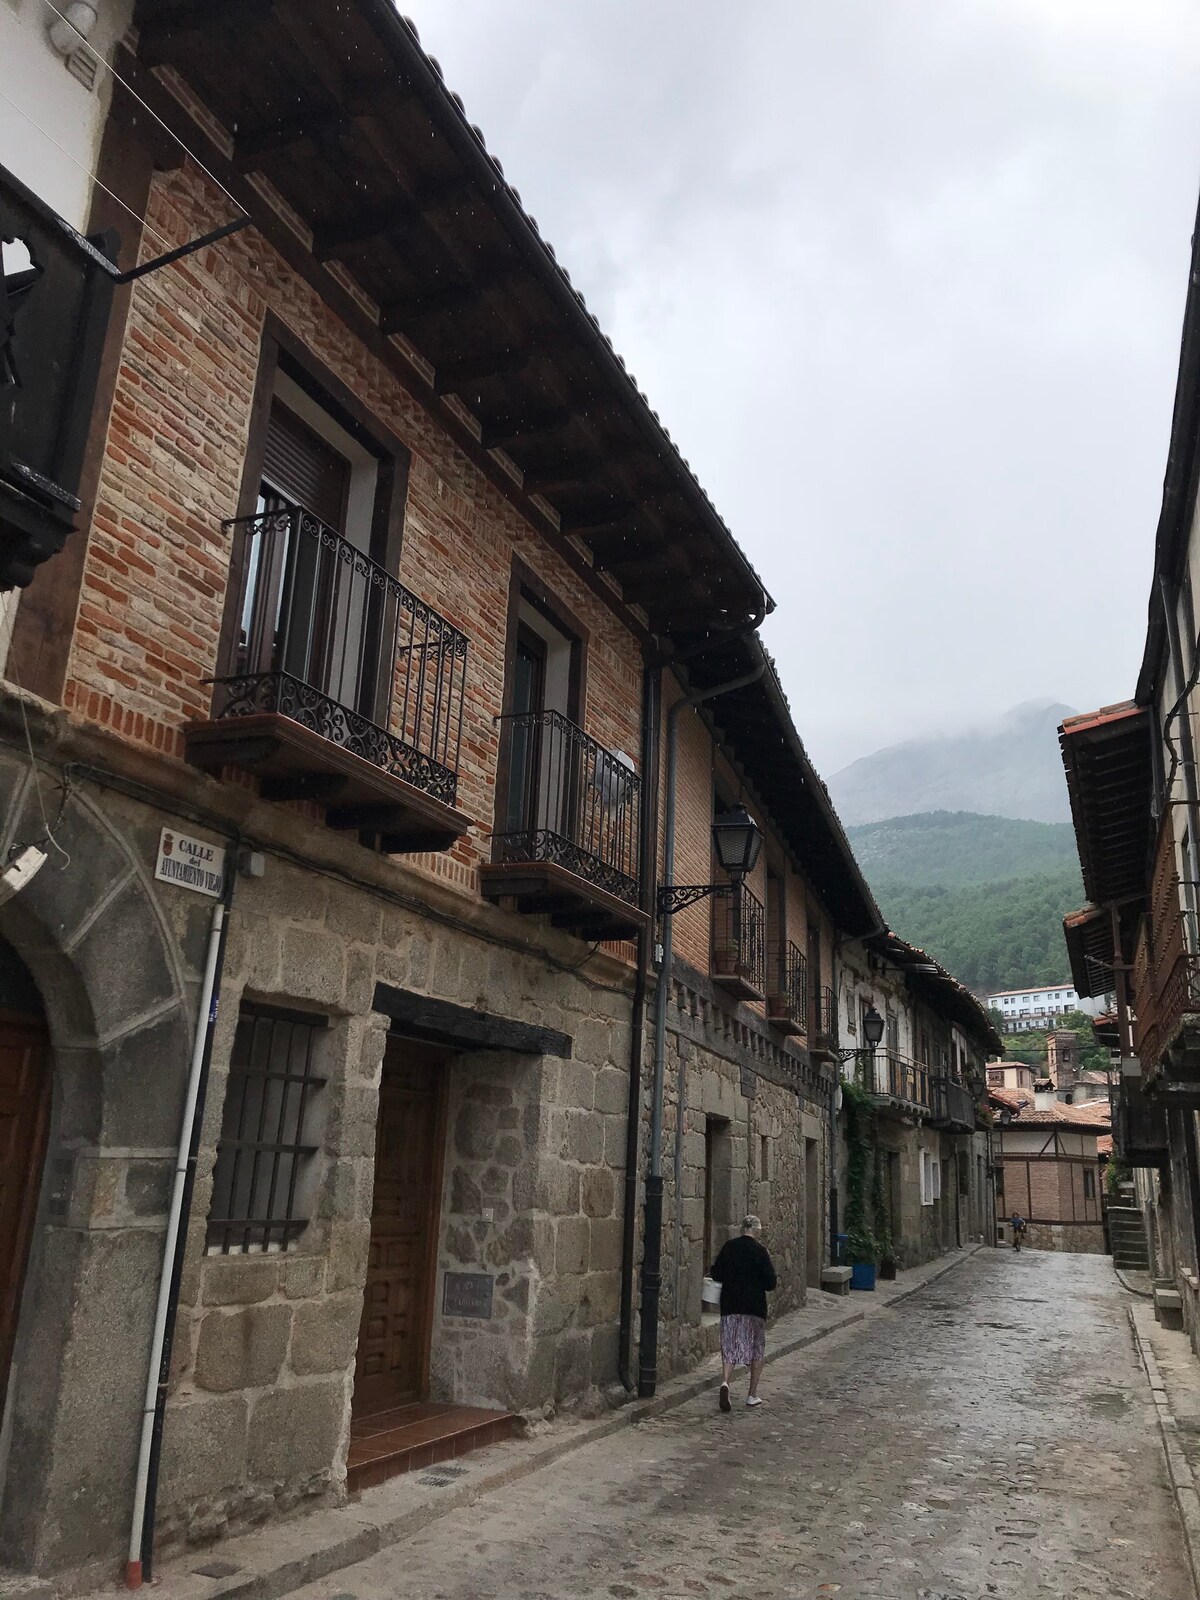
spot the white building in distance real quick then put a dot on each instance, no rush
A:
(1036, 1008)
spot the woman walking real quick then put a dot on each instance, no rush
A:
(744, 1270)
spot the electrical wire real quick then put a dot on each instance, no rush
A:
(87, 171)
(48, 833)
(129, 89)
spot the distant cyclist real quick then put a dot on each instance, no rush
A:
(1018, 1229)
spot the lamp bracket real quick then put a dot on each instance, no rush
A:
(678, 896)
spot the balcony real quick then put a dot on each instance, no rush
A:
(1139, 1127)
(739, 944)
(823, 1022)
(571, 822)
(55, 295)
(341, 688)
(952, 1106)
(1166, 982)
(898, 1084)
(787, 988)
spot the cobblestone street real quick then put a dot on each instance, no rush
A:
(993, 1435)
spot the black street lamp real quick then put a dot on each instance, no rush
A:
(737, 841)
(873, 1028)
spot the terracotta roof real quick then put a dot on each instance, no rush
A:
(1063, 1115)
(1104, 1145)
(1014, 1099)
(1091, 1111)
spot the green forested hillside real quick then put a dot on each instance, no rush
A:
(959, 847)
(984, 895)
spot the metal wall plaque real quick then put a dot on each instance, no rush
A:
(191, 863)
(468, 1294)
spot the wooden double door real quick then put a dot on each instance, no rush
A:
(24, 1118)
(397, 1320)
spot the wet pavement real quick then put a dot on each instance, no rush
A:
(992, 1435)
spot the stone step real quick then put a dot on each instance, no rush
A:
(424, 1434)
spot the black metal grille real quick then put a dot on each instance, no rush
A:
(257, 1201)
(825, 1018)
(570, 802)
(739, 927)
(328, 638)
(787, 982)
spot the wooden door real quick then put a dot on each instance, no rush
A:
(24, 1114)
(393, 1340)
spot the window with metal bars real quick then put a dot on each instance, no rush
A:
(272, 1104)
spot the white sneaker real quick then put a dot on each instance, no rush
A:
(753, 1400)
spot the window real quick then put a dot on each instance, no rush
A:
(262, 1180)
(322, 499)
(1089, 1184)
(764, 1158)
(931, 1178)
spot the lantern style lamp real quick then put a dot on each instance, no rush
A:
(873, 1028)
(738, 841)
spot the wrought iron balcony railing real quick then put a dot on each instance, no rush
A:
(739, 949)
(327, 640)
(570, 803)
(787, 986)
(896, 1077)
(823, 1017)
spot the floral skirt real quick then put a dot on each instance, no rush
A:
(743, 1340)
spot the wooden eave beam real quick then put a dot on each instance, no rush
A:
(400, 315)
(451, 377)
(500, 432)
(315, 126)
(610, 518)
(377, 222)
(565, 472)
(171, 26)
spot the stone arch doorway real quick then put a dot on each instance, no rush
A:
(112, 968)
(24, 1120)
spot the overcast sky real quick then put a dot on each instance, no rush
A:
(904, 279)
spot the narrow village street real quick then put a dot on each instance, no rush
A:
(992, 1436)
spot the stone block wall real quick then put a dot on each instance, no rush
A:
(751, 1108)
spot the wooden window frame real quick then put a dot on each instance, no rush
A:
(525, 585)
(282, 351)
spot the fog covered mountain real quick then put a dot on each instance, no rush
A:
(1007, 768)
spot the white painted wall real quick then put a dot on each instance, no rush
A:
(50, 124)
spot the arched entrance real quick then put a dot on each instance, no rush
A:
(24, 1117)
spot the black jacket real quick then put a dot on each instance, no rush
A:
(744, 1271)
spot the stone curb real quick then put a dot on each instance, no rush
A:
(1183, 1483)
(356, 1534)
(1143, 1294)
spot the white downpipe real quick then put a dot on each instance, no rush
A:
(133, 1569)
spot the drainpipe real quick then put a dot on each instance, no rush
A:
(652, 1246)
(651, 718)
(138, 1568)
